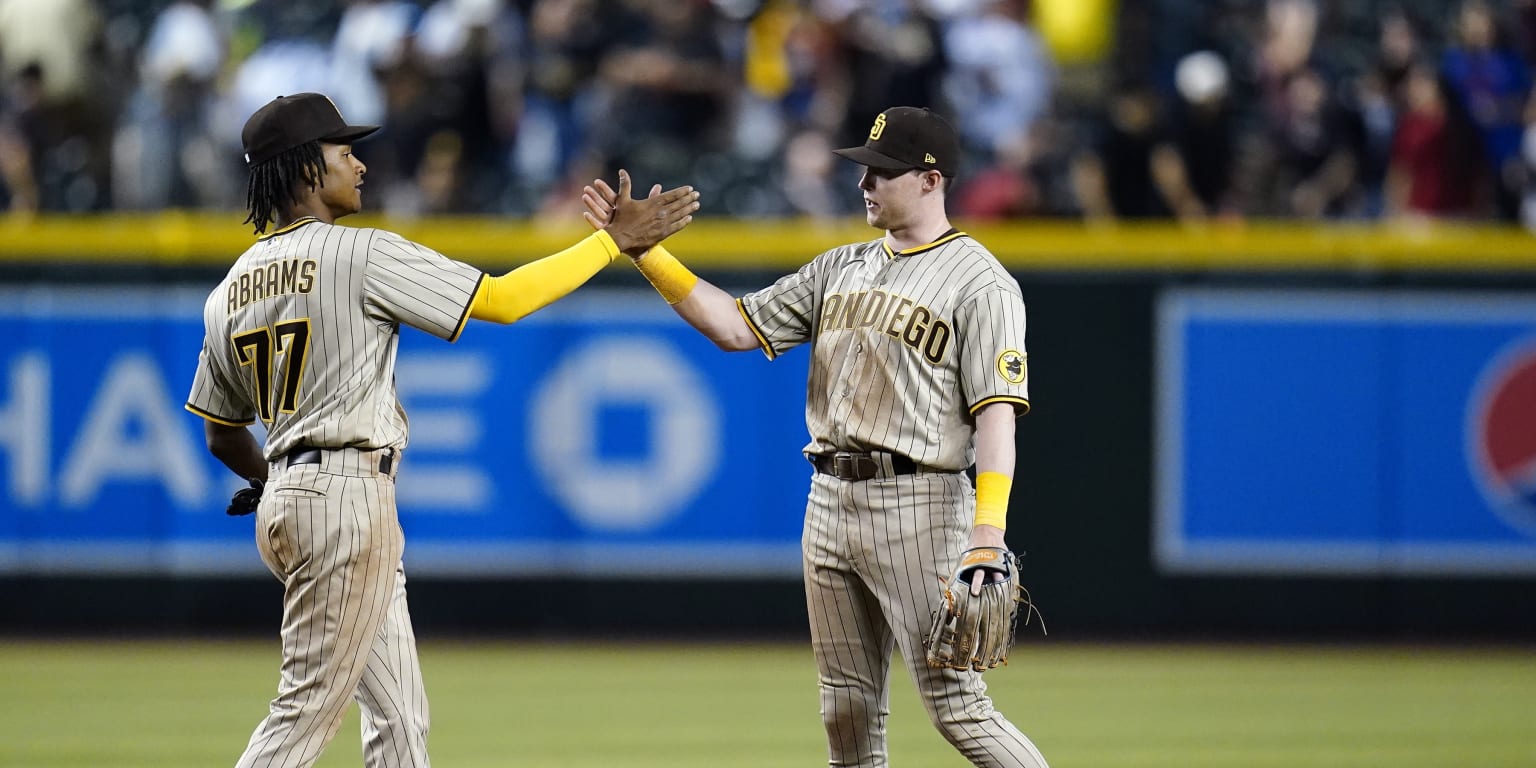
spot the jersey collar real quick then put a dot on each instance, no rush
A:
(944, 238)
(299, 222)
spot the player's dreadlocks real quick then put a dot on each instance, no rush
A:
(272, 183)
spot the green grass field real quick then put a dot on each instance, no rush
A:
(169, 704)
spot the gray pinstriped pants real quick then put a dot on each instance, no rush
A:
(876, 553)
(331, 534)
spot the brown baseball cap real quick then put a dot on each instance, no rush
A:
(291, 121)
(905, 138)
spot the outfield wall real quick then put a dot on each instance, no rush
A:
(1259, 430)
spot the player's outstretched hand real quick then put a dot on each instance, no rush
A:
(637, 225)
(598, 197)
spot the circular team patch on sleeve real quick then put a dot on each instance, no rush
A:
(1012, 367)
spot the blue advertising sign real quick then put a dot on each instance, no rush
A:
(1346, 433)
(602, 435)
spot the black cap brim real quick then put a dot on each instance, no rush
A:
(872, 159)
(349, 134)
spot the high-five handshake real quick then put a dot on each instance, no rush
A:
(920, 371)
(637, 225)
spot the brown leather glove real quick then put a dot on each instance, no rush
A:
(974, 627)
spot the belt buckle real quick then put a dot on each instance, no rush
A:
(854, 466)
(844, 466)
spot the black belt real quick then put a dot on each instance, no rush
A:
(846, 465)
(314, 455)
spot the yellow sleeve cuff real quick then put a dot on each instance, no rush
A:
(533, 286)
(667, 275)
(602, 237)
(992, 489)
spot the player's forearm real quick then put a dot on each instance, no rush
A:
(995, 457)
(994, 438)
(710, 310)
(713, 312)
(531, 287)
(237, 448)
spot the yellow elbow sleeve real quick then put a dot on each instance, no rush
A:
(533, 286)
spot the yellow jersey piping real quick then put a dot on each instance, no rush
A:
(218, 419)
(468, 308)
(301, 221)
(919, 249)
(1002, 399)
(761, 340)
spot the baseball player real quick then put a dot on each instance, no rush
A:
(302, 334)
(917, 371)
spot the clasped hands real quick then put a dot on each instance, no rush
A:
(637, 225)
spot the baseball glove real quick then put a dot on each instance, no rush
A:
(245, 500)
(974, 626)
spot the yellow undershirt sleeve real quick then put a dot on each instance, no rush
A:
(992, 489)
(533, 286)
(668, 275)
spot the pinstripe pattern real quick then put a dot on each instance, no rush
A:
(875, 552)
(303, 334)
(392, 690)
(365, 284)
(335, 542)
(905, 347)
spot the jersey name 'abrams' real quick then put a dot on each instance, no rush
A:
(892, 314)
(280, 278)
(329, 304)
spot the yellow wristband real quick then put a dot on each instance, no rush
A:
(992, 490)
(668, 275)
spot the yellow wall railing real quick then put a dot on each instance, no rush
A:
(214, 239)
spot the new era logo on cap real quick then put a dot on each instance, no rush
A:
(904, 138)
(291, 121)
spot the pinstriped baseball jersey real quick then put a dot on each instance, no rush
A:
(907, 346)
(302, 333)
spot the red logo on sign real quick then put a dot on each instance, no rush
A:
(1501, 434)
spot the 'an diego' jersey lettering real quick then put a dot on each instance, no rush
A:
(896, 316)
(906, 346)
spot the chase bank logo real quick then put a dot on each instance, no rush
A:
(627, 494)
(1501, 434)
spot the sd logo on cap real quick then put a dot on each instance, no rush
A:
(908, 138)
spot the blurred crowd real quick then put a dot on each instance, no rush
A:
(1194, 109)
